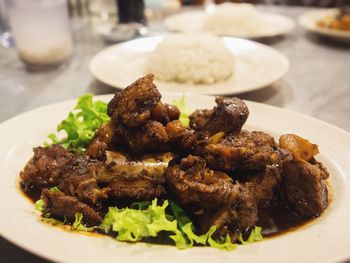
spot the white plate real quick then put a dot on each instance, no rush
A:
(309, 21)
(327, 239)
(256, 66)
(276, 24)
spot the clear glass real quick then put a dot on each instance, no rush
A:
(41, 31)
(5, 35)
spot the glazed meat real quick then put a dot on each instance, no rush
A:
(132, 107)
(180, 137)
(101, 142)
(228, 116)
(303, 184)
(212, 197)
(154, 137)
(164, 113)
(45, 167)
(63, 206)
(262, 184)
(142, 124)
(141, 179)
(74, 174)
(198, 187)
(304, 187)
(245, 151)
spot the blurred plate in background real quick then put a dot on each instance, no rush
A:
(256, 66)
(309, 21)
(194, 21)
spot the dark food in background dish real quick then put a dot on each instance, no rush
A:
(221, 175)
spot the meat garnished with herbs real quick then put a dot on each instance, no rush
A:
(220, 175)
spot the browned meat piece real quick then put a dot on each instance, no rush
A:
(142, 179)
(101, 142)
(228, 116)
(234, 218)
(132, 107)
(63, 206)
(154, 137)
(304, 187)
(78, 179)
(180, 137)
(84, 187)
(165, 113)
(198, 187)
(262, 184)
(211, 196)
(151, 137)
(245, 151)
(73, 173)
(45, 166)
(200, 118)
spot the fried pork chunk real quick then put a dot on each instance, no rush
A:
(132, 106)
(142, 124)
(91, 181)
(245, 151)
(101, 142)
(141, 179)
(212, 197)
(74, 174)
(228, 116)
(64, 206)
(304, 188)
(303, 184)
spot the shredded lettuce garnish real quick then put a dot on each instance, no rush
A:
(77, 225)
(255, 235)
(135, 224)
(185, 112)
(81, 124)
(132, 225)
(40, 205)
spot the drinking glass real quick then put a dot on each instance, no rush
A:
(41, 31)
(5, 35)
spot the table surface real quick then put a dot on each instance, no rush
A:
(317, 84)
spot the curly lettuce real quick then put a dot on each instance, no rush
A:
(81, 124)
(132, 225)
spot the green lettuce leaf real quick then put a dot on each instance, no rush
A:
(179, 214)
(81, 124)
(255, 235)
(185, 112)
(133, 225)
(40, 205)
(77, 225)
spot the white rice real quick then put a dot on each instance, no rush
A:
(234, 19)
(191, 58)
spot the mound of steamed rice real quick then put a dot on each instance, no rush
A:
(191, 58)
(234, 19)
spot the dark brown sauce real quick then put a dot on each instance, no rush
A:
(278, 220)
(275, 220)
